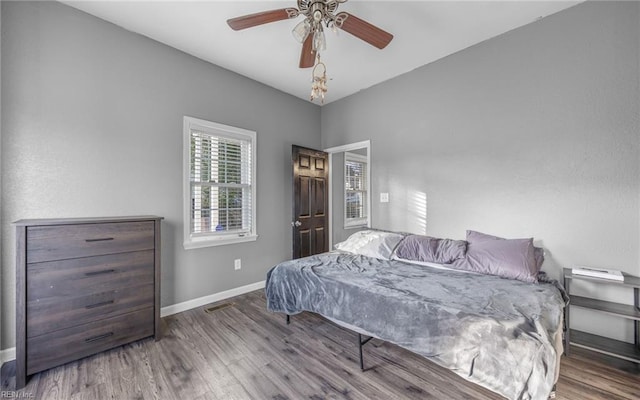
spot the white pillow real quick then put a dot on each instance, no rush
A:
(429, 264)
(376, 244)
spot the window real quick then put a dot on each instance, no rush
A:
(219, 184)
(355, 190)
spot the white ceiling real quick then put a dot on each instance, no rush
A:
(424, 31)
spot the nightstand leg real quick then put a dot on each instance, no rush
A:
(636, 325)
(567, 320)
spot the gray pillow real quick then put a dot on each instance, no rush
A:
(507, 258)
(430, 249)
(538, 252)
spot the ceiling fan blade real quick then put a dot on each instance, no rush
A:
(265, 17)
(307, 56)
(364, 30)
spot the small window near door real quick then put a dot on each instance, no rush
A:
(355, 190)
(219, 189)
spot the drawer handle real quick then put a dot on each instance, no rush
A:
(99, 337)
(103, 303)
(104, 271)
(98, 240)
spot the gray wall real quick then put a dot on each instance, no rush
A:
(92, 126)
(533, 133)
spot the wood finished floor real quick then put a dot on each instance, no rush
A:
(245, 352)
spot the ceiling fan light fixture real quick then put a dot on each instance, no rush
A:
(319, 40)
(334, 28)
(318, 15)
(301, 30)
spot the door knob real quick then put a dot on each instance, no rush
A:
(296, 224)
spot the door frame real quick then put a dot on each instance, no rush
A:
(365, 144)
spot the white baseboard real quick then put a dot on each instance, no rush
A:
(201, 301)
(7, 355)
(10, 354)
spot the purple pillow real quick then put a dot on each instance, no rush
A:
(507, 258)
(538, 252)
(430, 249)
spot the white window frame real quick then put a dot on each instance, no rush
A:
(192, 241)
(364, 221)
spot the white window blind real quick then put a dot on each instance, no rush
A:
(355, 206)
(221, 185)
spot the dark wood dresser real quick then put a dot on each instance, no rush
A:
(84, 285)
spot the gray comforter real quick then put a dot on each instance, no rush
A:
(496, 332)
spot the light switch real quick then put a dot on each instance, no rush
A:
(384, 197)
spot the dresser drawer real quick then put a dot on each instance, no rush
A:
(59, 242)
(70, 344)
(62, 279)
(54, 314)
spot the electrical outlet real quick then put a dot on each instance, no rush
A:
(237, 264)
(384, 197)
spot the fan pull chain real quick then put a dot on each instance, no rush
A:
(319, 80)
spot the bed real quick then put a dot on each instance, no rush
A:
(503, 334)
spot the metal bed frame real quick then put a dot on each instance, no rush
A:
(360, 344)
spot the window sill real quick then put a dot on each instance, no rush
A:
(356, 224)
(210, 242)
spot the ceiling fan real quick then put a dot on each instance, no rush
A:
(310, 31)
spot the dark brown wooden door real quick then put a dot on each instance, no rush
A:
(310, 202)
